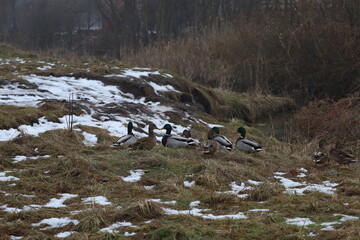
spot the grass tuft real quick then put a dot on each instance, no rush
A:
(141, 210)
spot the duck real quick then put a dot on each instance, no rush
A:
(222, 141)
(246, 145)
(176, 141)
(146, 143)
(210, 146)
(127, 139)
(320, 156)
(340, 156)
(186, 133)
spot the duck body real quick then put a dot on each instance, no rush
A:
(222, 141)
(340, 156)
(320, 156)
(247, 145)
(127, 139)
(176, 141)
(210, 146)
(146, 143)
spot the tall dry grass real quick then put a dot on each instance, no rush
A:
(309, 49)
(330, 119)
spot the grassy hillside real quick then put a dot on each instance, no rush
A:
(181, 175)
(53, 186)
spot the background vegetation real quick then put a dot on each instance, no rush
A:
(306, 49)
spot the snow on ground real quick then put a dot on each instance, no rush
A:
(328, 226)
(59, 202)
(194, 204)
(4, 178)
(163, 202)
(199, 213)
(64, 234)
(112, 228)
(53, 203)
(20, 158)
(236, 189)
(89, 139)
(55, 222)
(303, 222)
(93, 94)
(12, 237)
(189, 184)
(345, 218)
(134, 176)
(253, 182)
(293, 187)
(259, 210)
(101, 200)
(194, 211)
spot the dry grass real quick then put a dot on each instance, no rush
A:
(14, 116)
(339, 120)
(265, 191)
(140, 211)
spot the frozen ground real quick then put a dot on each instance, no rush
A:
(96, 97)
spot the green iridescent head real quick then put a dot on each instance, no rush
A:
(242, 131)
(216, 130)
(130, 127)
(168, 128)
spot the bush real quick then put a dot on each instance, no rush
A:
(307, 49)
(329, 119)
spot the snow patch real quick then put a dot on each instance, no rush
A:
(59, 203)
(4, 178)
(198, 213)
(112, 228)
(236, 189)
(292, 187)
(64, 234)
(135, 176)
(89, 139)
(101, 200)
(189, 184)
(163, 202)
(55, 222)
(20, 158)
(303, 222)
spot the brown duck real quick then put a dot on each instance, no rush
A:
(146, 143)
(210, 146)
(321, 155)
(340, 156)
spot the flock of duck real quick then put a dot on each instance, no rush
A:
(214, 140)
(329, 151)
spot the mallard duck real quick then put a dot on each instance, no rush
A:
(246, 145)
(175, 141)
(222, 140)
(340, 156)
(210, 146)
(127, 139)
(320, 155)
(146, 143)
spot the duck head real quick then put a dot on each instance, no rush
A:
(216, 130)
(212, 134)
(242, 131)
(186, 133)
(168, 128)
(152, 127)
(130, 127)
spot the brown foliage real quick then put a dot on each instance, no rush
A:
(308, 49)
(330, 119)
